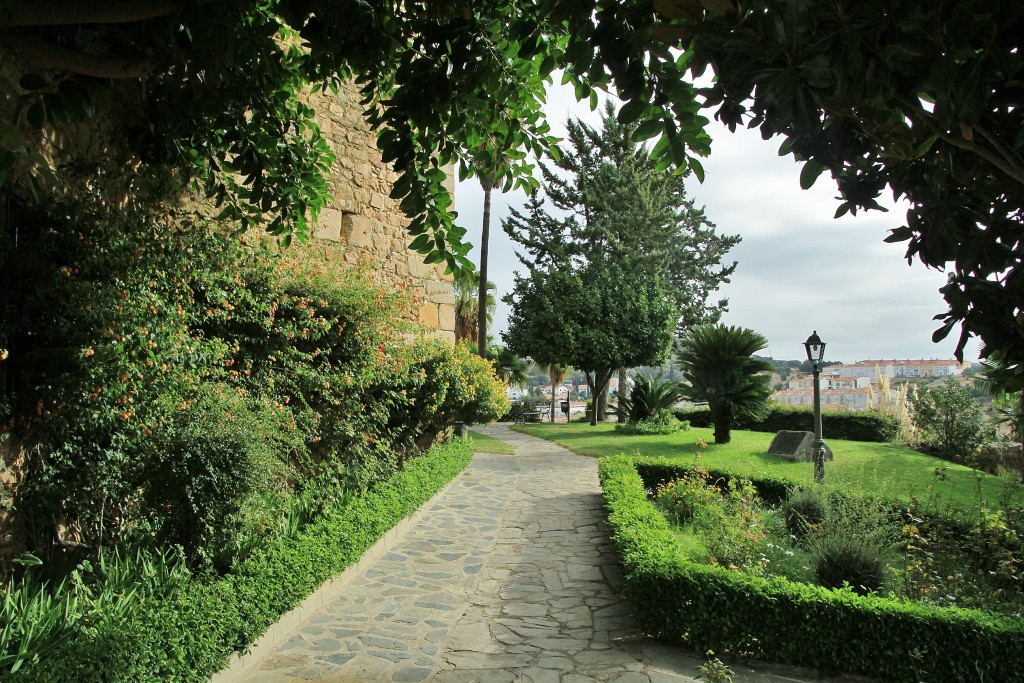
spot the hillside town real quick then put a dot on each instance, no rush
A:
(860, 385)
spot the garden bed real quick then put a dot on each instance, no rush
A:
(709, 606)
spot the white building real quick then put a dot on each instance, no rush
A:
(899, 369)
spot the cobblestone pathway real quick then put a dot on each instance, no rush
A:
(507, 576)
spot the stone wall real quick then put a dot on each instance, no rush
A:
(366, 221)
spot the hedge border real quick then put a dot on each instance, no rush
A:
(191, 635)
(706, 607)
(867, 425)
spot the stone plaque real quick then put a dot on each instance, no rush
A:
(795, 446)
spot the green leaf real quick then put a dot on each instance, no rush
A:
(27, 560)
(809, 174)
(648, 129)
(901, 234)
(698, 170)
(631, 111)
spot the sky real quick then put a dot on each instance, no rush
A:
(799, 269)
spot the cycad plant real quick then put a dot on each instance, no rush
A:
(649, 396)
(718, 365)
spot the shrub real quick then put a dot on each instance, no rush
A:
(848, 561)
(649, 397)
(949, 419)
(187, 633)
(804, 512)
(681, 498)
(662, 422)
(710, 608)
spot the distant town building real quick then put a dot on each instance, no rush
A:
(854, 385)
(849, 398)
(899, 369)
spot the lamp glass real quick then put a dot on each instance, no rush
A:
(815, 348)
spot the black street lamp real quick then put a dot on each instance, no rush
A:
(815, 354)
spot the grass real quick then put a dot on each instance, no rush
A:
(488, 444)
(887, 470)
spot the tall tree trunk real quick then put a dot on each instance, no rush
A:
(618, 395)
(599, 391)
(556, 375)
(485, 235)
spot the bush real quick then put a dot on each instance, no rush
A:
(662, 422)
(860, 426)
(188, 633)
(949, 419)
(841, 562)
(649, 397)
(804, 512)
(710, 608)
(128, 323)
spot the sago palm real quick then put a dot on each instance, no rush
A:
(718, 364)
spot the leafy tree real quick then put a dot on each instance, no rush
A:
(719, 365)
(596, 319)
(924, 98)
(610, 202)
(950, 420)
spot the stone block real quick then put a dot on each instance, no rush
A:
(795, 446)
(329, 225)
(357, 231)
(419, 269)
(446, 317)
(428, 316)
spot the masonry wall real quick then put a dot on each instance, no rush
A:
(366, 222)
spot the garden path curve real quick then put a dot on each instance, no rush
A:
(508, 575)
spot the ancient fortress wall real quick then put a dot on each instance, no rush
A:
(366, 221)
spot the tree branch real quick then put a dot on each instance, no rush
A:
(46, 54)
(69, 12)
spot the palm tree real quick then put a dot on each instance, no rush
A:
(556, 373)
(467, 308)
(995, 371)
(717, 361)
(513, 370)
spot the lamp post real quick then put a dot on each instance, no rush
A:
(815, 353)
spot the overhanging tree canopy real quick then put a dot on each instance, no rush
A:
(924, 98)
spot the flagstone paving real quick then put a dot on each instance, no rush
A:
(507, 576)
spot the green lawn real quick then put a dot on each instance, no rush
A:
(488, 444)
(885, 469)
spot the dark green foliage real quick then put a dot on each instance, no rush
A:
(663, 422)
(169, 382)
(861, 426)
(804, 512)
(711, 608)
(949, 419)
(649, 396)
(187, 634)
(845, 562)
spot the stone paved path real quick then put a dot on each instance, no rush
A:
(508, 576)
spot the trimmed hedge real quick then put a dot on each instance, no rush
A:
(711, 608)
(869, 425)
(190, 635)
